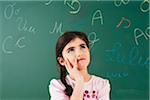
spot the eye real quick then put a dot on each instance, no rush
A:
(83, 46)
(70, 50)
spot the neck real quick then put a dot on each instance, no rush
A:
(85, 75)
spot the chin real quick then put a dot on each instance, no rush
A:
(82, 66)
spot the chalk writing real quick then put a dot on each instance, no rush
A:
(116, 74)
(97, 16)
(138, 33)
(71, 4)
(22, 25)
(122, 63)
(133, 58)
(19, 43)
(49, 2)
(118, 3)
(125, 20)
(147, 31)
(10, 10)
(144, 6)
(4, 49)
(92, 38)
(57, 29)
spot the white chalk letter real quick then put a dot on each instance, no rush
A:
(56, 28)
(97, 16)
(18, 42)
(137, 35)
(4, 44)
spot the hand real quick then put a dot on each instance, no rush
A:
(73, 71)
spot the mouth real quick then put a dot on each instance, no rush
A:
(80, 59)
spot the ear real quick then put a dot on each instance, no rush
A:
(61, 61)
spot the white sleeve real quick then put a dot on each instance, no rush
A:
(56, 90)
(104, 91)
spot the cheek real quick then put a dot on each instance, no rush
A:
(66, 55)
(88, 53)
(88, 56)
(70, 58)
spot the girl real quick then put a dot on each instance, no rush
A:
(73, 57)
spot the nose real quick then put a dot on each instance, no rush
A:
(78, 53)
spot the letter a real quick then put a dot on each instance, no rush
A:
(139, 35)
(97, 16)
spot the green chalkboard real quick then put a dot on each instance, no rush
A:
(118, 32)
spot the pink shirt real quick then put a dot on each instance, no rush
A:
(96, 88)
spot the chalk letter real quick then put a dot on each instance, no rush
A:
(57, 29)
(142, 6)
(4, 43)
(136, 36)
(48, 3)
(72, 6)
(18, 42)
(97, 16)
(147, 32)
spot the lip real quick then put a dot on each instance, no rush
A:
(80, 59)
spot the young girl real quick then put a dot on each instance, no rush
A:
(73, 57)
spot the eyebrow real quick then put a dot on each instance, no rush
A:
(74, 47)
(82, 44)
(69, 49)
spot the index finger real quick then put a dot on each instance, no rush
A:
(68, 65)
(75, 63)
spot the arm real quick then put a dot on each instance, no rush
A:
(78, 91)
(79, 81)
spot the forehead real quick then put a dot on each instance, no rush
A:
(75, 42)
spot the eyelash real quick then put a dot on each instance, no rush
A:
(72, 49)
(83, 46)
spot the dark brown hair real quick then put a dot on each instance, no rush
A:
(62, 41)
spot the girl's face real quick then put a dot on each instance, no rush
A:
(77, 50)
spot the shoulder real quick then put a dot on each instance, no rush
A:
(100, 82)
(100, 79)
(103, 87)
(57, 84)
(56, 90)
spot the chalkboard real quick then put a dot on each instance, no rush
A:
(118, 32)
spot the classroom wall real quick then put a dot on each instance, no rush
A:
(118, 32)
